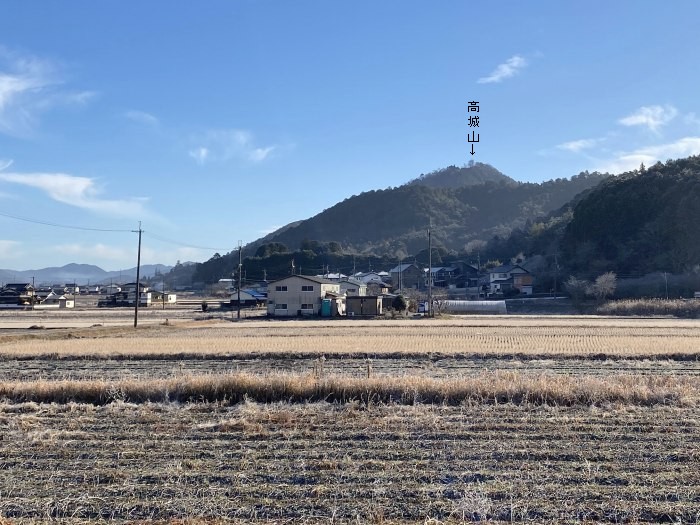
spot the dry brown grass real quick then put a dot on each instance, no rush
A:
(526, 337)
(683, 308)
(485, 388)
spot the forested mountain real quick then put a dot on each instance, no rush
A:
(453, 177)
(639, 222)
(394, 221)
(466, 204)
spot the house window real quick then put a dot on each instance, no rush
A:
(309, 288)
(280, 288)
(503, 275)
(307, 306)
(281, 306)
(352, 290)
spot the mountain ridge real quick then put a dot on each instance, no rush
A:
(464, 204)
(80, 274)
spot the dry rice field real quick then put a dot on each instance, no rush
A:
(496, 419)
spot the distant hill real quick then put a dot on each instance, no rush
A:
(465, 204)
(80, 274)
(394, 221)
(471, 175)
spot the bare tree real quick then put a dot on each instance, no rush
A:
(577, 289)
(440, 302)
(604, 286)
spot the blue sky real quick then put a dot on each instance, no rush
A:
(214, 122)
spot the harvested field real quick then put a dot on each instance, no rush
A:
(325, 463)
(479, 337)
(564, 420)
(419, 366)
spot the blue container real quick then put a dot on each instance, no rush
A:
(326, 308)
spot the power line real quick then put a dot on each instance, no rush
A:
(171, 241)
(57, 225)
(109, 230)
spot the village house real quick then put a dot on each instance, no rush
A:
(443, 276)
(335, 277)
(304, 295)
(407, 276)
(17, 294)
(352, 287)
(110, 289)
(249, 299)
(163, 297)
(377, 288)
(127, 295)
(510, 278)
(54, 300)
(369, 277)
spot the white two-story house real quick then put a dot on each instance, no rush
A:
(299, 295)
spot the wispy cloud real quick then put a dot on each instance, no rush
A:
(142, 117)
(200, 154)
(506, 70)
(224, 145)
(260, 154)
(652, 117)
(626, 161)
(575, 146)
(692, 119)
(81, 192)
(5, 163)
(63, 99)
(28, 86)
(8, 248)
(107, 252)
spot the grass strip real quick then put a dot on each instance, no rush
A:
(494, 387)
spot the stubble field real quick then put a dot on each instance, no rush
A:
(468, 419)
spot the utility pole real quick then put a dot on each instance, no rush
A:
(240, 266)
(138, 277)
(556, 273)
(430, 272)
(232, 289)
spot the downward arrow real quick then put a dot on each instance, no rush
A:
(472, 152)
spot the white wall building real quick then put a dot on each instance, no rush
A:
(299, 295)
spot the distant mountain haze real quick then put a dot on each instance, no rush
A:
(80, 274)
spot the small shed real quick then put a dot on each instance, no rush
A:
(363, 305)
